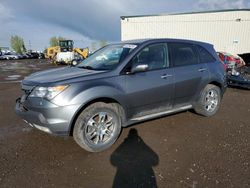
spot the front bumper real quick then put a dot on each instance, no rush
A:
(48, 117)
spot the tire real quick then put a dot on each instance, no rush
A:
(209, 101)
(98, 126)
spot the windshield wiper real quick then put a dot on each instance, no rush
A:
(91, 68)
(86, 67)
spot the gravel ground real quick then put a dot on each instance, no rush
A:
(181, 150)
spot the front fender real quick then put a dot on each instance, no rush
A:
(97, 92)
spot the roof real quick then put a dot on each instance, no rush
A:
(199, 12)
(149, 40)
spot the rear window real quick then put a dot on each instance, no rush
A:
(183, 54)
(205, 56)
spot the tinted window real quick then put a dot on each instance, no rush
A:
(183, 54)
(205, 56)
(155, 56)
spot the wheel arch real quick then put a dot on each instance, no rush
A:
(216, 83)
(121, 109)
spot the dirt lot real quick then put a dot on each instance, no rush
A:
(182, 150)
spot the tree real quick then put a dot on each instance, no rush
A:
(17, 44)
(45, 50)
(24, 48)
(102, 43)
(54, 41)
(93, 47)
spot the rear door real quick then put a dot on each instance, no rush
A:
(187, 70)
(150, 91)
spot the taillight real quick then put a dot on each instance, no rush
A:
(230, 58)
(224, 65)
(222, 57)
(231, 61)
(238, 61)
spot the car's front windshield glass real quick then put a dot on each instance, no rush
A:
(108, 57)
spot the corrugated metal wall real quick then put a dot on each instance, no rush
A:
(228, 31)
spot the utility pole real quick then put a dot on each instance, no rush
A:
(29, 45)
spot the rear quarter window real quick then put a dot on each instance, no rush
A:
(183, 54)
(205, 56)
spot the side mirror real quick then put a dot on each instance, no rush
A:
(139, 68)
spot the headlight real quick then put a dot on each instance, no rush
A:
(47, 92)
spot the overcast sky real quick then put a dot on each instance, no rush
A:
(85, 21)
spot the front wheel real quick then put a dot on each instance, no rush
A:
(209, 101)
(97, 127)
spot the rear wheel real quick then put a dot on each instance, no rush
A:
(97, 127)
(209, 101)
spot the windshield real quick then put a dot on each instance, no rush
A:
(108, 57)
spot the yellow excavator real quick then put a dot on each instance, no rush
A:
(52, 51)
(66, 53)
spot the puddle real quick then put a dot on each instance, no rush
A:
(9, 82)
(10, 78)
(15, 71)
(17, 67)
(14, 76)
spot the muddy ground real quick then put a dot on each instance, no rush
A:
(182, 150)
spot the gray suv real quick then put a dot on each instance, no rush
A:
(122, 84)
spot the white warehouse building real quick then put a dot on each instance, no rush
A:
(227, 30)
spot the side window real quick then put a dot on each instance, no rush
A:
(205, 56)
(155, 56)
(183, 54)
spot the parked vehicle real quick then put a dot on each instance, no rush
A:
(231, 60)
(28, 55)
(35, 55)
(1, 55)
(10, 55)
(66, 53)
(136, 81)
(22, 56)
(41, 56)
(239, 77)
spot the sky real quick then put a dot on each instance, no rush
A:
(85, 21)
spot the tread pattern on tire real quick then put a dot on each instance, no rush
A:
(83, 117)
(199, 106)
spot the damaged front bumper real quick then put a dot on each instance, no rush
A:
(48, 117)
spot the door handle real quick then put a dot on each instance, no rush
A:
(166, 76)
(202, 69)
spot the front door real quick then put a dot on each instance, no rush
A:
(150, 91)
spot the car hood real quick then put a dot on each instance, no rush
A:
(57, 75)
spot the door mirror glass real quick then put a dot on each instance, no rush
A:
(139, 68)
